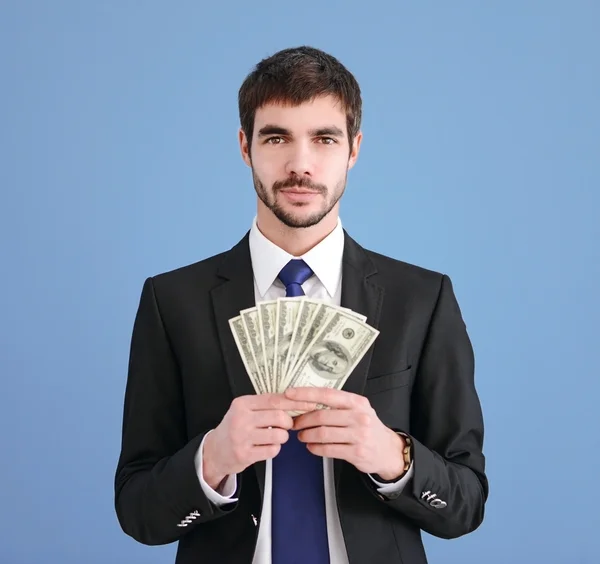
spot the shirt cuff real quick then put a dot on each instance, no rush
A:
(395, 487)
(227, 487)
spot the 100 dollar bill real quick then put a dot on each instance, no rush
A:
(333, 353)
(267, 320)
(304, 322)
(244, 347)
(287, 311)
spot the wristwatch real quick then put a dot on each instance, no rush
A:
(406, 453)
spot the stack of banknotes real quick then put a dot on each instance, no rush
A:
(298, 342)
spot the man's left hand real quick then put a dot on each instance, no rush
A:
(350, 430)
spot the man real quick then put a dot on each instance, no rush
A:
(230, 474)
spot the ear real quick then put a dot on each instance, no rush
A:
(355, 149)
(244, 147)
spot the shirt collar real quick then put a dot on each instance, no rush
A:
(324, 259)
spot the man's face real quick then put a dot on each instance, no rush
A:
(300, 157)
(330, 362)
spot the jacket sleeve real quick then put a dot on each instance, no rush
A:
(158, 497)
(449, 488)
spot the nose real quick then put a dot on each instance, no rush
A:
(299, 162)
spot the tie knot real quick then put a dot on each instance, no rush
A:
(295, 273)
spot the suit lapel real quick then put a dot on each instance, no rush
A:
(229, 298)
(363, 295)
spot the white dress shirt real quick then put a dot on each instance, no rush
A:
(325, 260)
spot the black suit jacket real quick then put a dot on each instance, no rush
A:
(185, 370)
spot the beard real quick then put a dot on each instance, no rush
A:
(289, 218)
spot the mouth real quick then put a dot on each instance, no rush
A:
(299, 196)
(298, 191)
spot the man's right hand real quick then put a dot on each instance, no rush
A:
(253, 429)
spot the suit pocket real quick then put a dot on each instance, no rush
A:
(388, 381)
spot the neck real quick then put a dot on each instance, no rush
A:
(295, 241)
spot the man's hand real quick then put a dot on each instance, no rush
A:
(253, 429)
(349, 430)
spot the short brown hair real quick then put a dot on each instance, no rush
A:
(297, 75)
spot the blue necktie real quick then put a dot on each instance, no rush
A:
(298, 525)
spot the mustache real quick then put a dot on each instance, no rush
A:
(298, 182)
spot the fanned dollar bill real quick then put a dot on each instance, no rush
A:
(267, 319)
(287, 311)
(305, 316)
(333, 354)
(323, 313)
(293, 342)
(243, 344)
(254, 336)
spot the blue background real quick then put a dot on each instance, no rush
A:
(119, 160)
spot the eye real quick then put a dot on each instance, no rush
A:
(327, 140)
(274, 140)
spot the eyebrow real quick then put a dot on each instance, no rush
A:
(331, 130)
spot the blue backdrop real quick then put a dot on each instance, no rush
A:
(119, 160)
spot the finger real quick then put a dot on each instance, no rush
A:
(325, 417)
(261, 437)
(271, 418)
(331, 450)
(338, 399)
(277, 401)
(265, 452)
(327, 435)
